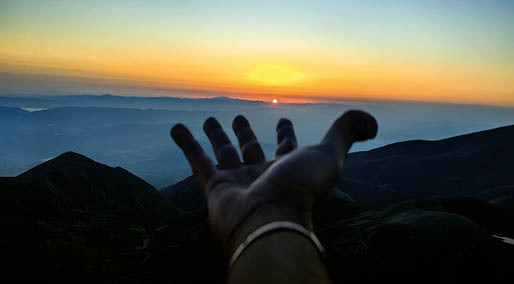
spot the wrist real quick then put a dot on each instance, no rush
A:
(264, 215)
(278, 257)
(275, 227)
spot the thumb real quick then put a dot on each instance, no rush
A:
(352, 126)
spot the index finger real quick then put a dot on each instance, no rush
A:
(201, 165)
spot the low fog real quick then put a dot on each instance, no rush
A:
(133, 132)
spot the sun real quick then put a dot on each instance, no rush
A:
(275, 101)
(275, 75)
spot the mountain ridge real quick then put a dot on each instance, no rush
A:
(469, 164)
(108, 100)
(71, 219)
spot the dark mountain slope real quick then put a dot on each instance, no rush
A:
(409, 242)
(74, 220)
(186, 195)
(427, 237)
(90, 186)
(480, 164)
(436, 239)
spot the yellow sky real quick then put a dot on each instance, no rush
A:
(433, 61)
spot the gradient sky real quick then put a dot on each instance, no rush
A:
(445, 51)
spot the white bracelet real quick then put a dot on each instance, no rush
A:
(274, 226)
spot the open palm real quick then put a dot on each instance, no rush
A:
(243, 196)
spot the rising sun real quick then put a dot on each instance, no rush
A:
(275, 101)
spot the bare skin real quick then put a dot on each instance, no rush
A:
(244, 195)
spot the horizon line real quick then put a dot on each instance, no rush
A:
(328, 100)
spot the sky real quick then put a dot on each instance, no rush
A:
(453, 51)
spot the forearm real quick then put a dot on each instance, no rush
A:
(280, 257)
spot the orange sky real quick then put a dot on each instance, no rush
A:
(392, 52)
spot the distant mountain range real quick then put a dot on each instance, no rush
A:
(133, 132)
(107, 100)
(411, 211)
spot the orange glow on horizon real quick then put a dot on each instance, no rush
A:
(275, 75)
(230, 76)
(177, 49)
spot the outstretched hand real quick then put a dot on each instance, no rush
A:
(242, 196)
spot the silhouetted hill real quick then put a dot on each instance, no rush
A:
(433, 240)
(68, 218)
(478, 164)
(95, 187)
(74, 220)
(421, 241)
